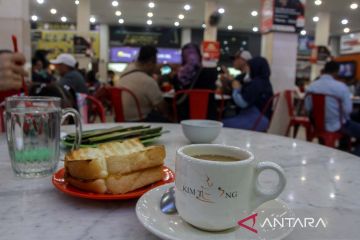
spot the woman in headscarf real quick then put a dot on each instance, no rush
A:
(252, 96)
(192, 75)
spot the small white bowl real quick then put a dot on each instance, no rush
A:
(201, 131)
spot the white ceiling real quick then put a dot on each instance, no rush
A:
(237, 14)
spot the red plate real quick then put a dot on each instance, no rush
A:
(61, 184)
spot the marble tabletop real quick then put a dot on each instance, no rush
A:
(322, 182)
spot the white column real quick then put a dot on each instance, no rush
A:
(280, 49)
(104, 51)
(83, 28)
(210, 33)
(322, 34)
(14, 20)
(185, 36)
(83, 16)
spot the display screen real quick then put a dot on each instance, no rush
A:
(347, 70)
(129, 54)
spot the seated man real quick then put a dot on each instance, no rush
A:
(137, 78)
(70, 78)
(327, 84)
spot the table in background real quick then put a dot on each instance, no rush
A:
(218, 97)
(322, 182)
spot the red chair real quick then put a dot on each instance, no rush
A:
(116, 98)
(317, 115)
(198, 103)
(95, 109)
(272, 103)
(296, 121)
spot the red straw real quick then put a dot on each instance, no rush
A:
(16, 49)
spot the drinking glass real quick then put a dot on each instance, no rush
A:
(33, 134)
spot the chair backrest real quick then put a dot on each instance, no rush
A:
(271, 104)
(290, 102)
(318, 111)
(198, 103)
(96, 109)
(116, 99)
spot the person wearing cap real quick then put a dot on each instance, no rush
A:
(240, 60)
(11, 70)
(70, 78)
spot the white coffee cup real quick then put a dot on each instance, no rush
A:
(214, 195)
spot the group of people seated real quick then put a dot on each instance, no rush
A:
(250, 91)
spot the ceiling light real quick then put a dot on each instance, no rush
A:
(92, 19)
(149, 22)
(187, 7)
(221, 10)
(303, 32)
(346, 30)
(151, 4)
(255, 29)
(181, 16)
(40, 1)
(115, 3)
(150, 14)
(318, 2)
(118, 13)
(344, 21)
(230, 27)
(121, 21)
(354, 6)
(34, 18)
(53, 11)
(203, 25)
(77, 2)
(254, 13)
(176, 24)
(63, 19)
(316, 19)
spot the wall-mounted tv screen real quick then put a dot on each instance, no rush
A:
(347, 70)
(129, 54)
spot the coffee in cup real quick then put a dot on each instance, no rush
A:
(217, 185)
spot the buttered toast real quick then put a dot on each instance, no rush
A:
(115, 167)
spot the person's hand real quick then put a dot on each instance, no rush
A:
(11, 71)
(236, 85)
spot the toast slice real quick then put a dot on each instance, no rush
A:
(115, 167)
(119, 184)
(86, 163)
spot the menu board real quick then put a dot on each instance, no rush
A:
(57, 42)
(129, 54)
(350, 43)
(282, 15)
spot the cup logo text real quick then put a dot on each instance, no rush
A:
(209, 192)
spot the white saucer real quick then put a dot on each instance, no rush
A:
(172, 227)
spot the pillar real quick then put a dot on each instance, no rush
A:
(322, 34)
(83, 16)
(185, 36)
(104, 51)
(83, 28)
(280, 49)
(15, 20)
(210, 33)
